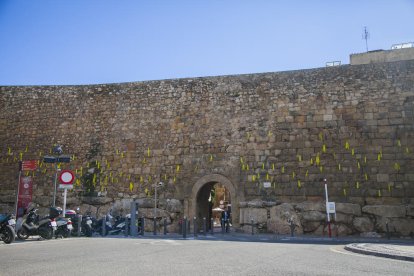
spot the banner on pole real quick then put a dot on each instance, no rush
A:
(24, 198)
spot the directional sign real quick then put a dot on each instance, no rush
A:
(29, 165)
(66, 177)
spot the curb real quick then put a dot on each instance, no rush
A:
(359, 248)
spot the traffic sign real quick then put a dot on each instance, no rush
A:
(66, 177)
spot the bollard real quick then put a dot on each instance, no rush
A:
(252, 226)
(165, 226)
(195, 227)
(126, 227)
(142, 226)
(212, 226)
(292, 226)
(222, 226)
(204, 226)
(185, 228)
(180, 225)
(189, 226)
(103, 226)
(155, 226)
(133, 219)
(388, 230)
(79, 218)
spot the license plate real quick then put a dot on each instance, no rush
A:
(89, 222)
(12, 222)
(53, 223)
(70, 227)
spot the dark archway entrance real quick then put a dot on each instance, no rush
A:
(197, 204)
(211, 200)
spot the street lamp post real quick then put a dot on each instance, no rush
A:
(59, 158)
(327, 209)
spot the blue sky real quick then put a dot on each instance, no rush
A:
(105, 41)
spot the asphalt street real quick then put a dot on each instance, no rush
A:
(147, 256)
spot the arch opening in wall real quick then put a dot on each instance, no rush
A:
(201, 203)
(211, 200)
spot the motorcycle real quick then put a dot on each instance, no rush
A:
(7, 224)
(34, 225)
(86, 223)
(64, 227)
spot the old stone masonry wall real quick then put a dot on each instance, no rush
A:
(352, 125)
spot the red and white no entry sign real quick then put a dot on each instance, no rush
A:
(66, 177)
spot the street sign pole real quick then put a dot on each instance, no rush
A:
(327, 209)
(65, 193)
(18, 186)
(54, 191)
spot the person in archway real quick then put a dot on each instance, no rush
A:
(225, 219)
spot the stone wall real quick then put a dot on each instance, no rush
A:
(352, 125)
(309, 217)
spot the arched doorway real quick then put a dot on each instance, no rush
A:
(199, 204)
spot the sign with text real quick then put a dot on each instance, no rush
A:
(24, 198)
(330, 206)
(28, 165)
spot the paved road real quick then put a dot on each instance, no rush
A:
(146, 256)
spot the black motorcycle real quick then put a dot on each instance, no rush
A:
(7, 223)
(85, 224)
(33, 225)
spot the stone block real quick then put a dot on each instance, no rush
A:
(348, 208)
(312, 216)
(363, 224)
(259, 215)
(311, 206)
(388, 211)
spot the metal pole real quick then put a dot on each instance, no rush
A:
(204, 226)
(185, 228)
(18, 190)
(133, 226)
(127, 227)
(252, 226)
(65, 194)
(155, 226)
(155, 202)
(54, 192)
(79, 217)
(165, 226)
(195, 227)
(103, 226)
(212, 226)
(327, 211)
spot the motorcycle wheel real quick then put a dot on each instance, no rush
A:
(8, 234)
(23, 234)
(46, 232)
(88, 230)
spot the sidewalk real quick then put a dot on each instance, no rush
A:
(393, 251)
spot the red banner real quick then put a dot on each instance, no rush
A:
(25, 194)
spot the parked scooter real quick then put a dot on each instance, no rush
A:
(86, 223)
(7, 224)
(64, 227)
(33, 225)
(110, 225)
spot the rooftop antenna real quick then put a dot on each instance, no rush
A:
(365, 36)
